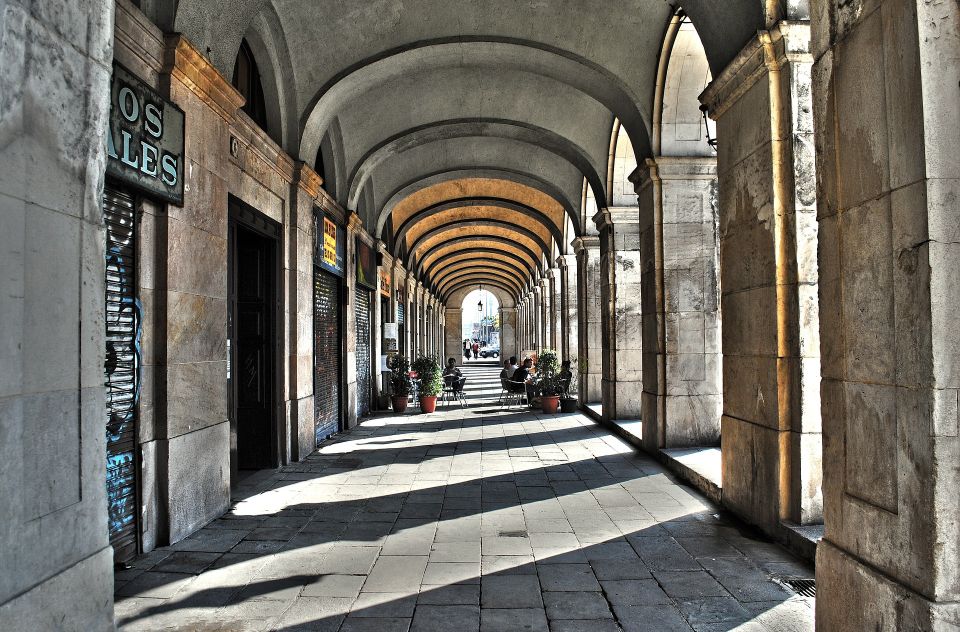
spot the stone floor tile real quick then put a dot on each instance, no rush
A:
(567, 577)
(513, 620)
(689, 584)
(349, 560)
(187, 562)
(583, 625)
(384, 604)
(446, 619)
(713, 610)
(309, 613)
(634, 592)
(383, 624)
(663, 554)
(156, 585)
(445, 573)
(510, 591)
(508, 565)
(576, 605)
(620, 569)
(347, 586)
(458, 594)
(505, 545)
(396, 573)
(660, 618)
(211, 541)
(455, 551)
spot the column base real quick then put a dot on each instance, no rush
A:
(853, 596)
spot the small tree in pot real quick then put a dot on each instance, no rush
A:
(548, 380)
(568, 400)
(399, 383)
(431, 381)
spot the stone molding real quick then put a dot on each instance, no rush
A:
(307, 179)
(264, 151)
(182, 61)
(585, 243)
(786, 42)
(673, 168)
(135, 32)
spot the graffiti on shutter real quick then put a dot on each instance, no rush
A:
(122, 372)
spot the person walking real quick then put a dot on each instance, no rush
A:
(476, 350)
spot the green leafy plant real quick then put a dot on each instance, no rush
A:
(548, 368)
(428, 370)
(400, 382)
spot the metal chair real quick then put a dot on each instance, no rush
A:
(511, 392)
(453, 390)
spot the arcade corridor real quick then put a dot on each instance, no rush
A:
(467, 519)
(720, 239)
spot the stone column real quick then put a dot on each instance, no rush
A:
(589, 342)
(768, 237)
(546, 324)
(556, 314)
(622, 384)
(887, 131)
(410, 315)
(539, 314)
(55, 86)
(508, 332)
(354, 226)
(567, 268)
(682, 394)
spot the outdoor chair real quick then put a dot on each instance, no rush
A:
(511, 392)
(453, 390)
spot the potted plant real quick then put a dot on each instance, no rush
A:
(431, 381)
(399, 383)
(548, 380)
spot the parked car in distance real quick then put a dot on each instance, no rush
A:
(490, 352)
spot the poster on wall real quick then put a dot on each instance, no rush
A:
(366, 265)
(385, 283)
(330, 252)
(144, 138)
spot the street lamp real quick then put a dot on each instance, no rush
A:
(480, 302)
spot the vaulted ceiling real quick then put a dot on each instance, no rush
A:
(462, 132)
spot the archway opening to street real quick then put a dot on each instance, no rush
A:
(480, 327)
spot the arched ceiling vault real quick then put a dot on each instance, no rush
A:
(449, 297)
(465, 131)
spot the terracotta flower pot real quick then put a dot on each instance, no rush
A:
(399, 403)
(550, 404)
(428, 403)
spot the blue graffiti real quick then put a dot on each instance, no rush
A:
(123, 365)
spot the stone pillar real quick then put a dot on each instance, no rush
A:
(354, 227)
(410, 316)
(622, 383)
(556, 314)
(768, 236)
(540, 312)
(682, 394)
(55, 86)
(567, 268)
(887, 131)
(546, 321)
(508, 332)
(589, 342)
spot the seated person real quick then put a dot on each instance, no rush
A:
(513, 364)
(453, 376)
(522, 379)
(507, 371)
(565, 376)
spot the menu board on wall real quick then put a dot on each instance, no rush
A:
(366, 265)
(330, 252)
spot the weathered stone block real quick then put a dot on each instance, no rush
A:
(198, 468)
(196, 396)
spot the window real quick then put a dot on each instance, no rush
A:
(246, 79)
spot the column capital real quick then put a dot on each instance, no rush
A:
(509, 310)
(787, 42)
(566, 261)
(587, 242)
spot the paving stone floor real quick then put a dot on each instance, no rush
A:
(468, 519)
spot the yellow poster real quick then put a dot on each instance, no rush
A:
(329, 242)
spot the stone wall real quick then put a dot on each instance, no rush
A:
(55, 58)
(887, 130)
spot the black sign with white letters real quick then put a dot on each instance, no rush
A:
(145, 138)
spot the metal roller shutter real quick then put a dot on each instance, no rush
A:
(326, 348)
(401, 329)
(363, 352)
(122, 368)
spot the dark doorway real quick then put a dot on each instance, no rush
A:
(253, 341)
